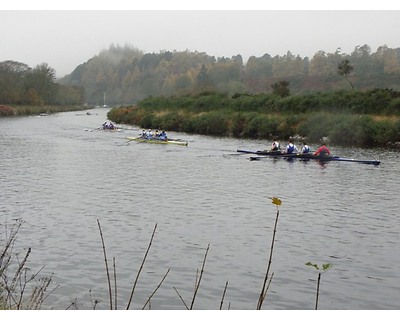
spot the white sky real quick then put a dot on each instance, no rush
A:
(65, 36)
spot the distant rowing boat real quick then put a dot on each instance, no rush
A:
(159, 141)
(304, 156)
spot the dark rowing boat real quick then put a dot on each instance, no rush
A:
(305, 156)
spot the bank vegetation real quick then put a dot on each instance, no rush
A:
(348, 118)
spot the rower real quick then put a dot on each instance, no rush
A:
(291, 148)
(163, 135)
(322, 151)
(275, 146)
(305, 149)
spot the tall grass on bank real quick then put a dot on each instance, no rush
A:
(8, 111)
(370, 119)
(110, 291)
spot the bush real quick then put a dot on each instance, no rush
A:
(316, 126)
(350, 130)
(238, 123)
(170, 121)
(212, 123)
(250, 129)
(6, 111)
(394, 107)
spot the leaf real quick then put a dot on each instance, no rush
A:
(326, 266)
(312, 265)
(276, 201)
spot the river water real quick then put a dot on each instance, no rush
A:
(61, 176)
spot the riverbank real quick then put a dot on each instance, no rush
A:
(10, 111)
(366, 120)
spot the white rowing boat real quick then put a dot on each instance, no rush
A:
(159, 141)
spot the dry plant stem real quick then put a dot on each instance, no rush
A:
(39, 298)
(73, 304)
(187, 308)
(196, 279)
(319, 280)
(269, 283)
(105, 260)
(20, 269)
(264, 290)
(159, 285)
(17, 278)
(141, 267)
(201, 275)
(223, 296)
(10, 241)
(115, 284)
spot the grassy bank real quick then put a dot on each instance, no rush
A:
(10, 111)
(370, 119)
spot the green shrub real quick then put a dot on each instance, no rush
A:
(147, 121)
(250, 129)
(350, 130)
(393, 107)
(316, 126)
(170, 121)
(238, 123)
(381, 132)
(212, 123)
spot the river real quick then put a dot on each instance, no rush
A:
(61, 176)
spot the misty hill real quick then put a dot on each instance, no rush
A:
(125, 75)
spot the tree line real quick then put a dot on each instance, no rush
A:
(23, 85)
(126, 75)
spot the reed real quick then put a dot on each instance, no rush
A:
(323, 269)
(153, 293)
(105, 260)
(223, 296)
(200, 277)
(141, 267)
(18, 288)
(13, 290)
(277, 202)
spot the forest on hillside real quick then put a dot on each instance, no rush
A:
(125, 75)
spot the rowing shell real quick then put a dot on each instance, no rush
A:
(159, 141)
(265, 154)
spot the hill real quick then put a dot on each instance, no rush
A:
(125, 75)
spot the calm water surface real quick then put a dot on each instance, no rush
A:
(60, 176)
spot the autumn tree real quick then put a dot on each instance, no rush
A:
(41, 80)
(281, 88)
(12, 78)
(344, 69)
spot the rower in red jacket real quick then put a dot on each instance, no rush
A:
(322, 151)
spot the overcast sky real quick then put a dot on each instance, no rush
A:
(66, 38)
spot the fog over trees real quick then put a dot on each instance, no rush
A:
(125, 75)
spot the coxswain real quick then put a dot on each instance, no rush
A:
(322, 151)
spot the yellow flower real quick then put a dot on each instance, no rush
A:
(276, 201)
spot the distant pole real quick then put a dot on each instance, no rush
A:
(104, 99)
